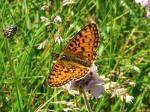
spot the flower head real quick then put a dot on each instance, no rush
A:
(57, 19)
(45, 20)
(117, 90)
(148, 14)
(127, 98)
(142, 2)
(67, 2)
(43, 44)
(58, 38)
(145, 3)
(90, 83)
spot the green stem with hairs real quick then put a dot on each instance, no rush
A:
(86, 101)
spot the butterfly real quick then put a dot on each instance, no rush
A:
(10, 32)
(76, 58)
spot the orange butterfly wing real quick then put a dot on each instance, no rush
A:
(85, 43)
(62, 74)
(76, 58)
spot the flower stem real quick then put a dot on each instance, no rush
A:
(86, 101)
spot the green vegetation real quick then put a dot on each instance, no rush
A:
(124, 53)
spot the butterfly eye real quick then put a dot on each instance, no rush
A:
(64, 57)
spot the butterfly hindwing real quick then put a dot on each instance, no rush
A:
(62, 74)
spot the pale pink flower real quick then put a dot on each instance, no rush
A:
(148, 14)
(91, 83)
(145, 3)
(142, 2)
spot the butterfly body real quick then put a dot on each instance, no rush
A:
(76, 57)
(76, 60)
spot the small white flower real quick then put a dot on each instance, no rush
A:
(105, 78)
(67, 2)
(129, 99)
(132, 84)
(45, 20)
(44, 7)
(93, 68)
(43, 44)
(71, 26)
(57, 19)
(119, 92)
(72, 13)
(58, 39)
(110, 86)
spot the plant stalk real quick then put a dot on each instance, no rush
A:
(86, 101)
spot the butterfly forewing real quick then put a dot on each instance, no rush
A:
(84, 44)
(79, 54)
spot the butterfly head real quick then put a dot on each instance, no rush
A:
(65, 57)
